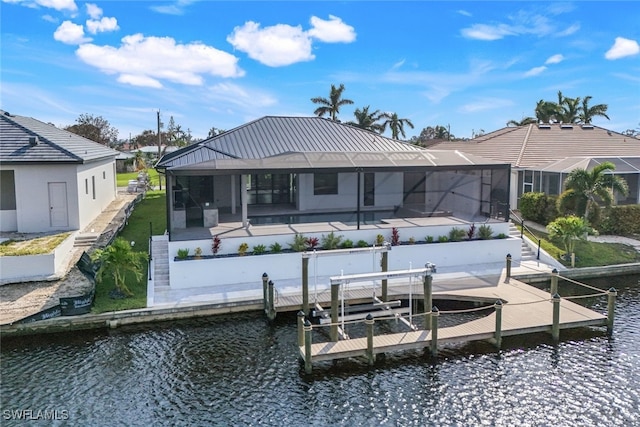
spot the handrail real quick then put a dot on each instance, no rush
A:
(523, 227)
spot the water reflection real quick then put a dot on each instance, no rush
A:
(242, 370)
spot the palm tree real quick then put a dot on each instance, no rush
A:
(332, 105)
(396, 124)
(584, 188)
(546, 111)
(569, 110)
(118, 259)
(367, 120)
(588, 113)
(525, 121)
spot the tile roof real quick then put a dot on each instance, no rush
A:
(270, 136)
(27, 140)
(538, 145)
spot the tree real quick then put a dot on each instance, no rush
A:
(587, 113)
(568, 230)
(430, 133)
(569, 109)
(118, 259)
(525, 121)
(331, 106)
(95, 128)
(546, 111)
(367, 120)
(215, 131)
(146, 138)
(584, 189)
(396, 124)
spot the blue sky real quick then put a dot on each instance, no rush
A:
(467, 65)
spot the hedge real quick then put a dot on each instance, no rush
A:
(621, 220)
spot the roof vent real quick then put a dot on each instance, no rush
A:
(566, 126)
(33, 141)
(587, 126)
(544, 126)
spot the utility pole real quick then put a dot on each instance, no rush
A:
(159, 149)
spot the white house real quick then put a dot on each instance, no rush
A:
(50, 179)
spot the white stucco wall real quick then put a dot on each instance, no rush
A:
(105, 192)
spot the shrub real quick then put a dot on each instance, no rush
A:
(456, 234)
(395, 237)
(198, 252)
(443, 239)
(379, 240)
(276, 248)
(362, 244)
(501, 236)
(538, 207)
(242, 249)
(299, 243)
(215, 246)
(429, 239)
(183, 253)
(568, 230)
(621, 220)
(347, 244)
(331, 241)
(259, 249)
(471, 232)
(485, 232)
(312, 242)
(412, 241)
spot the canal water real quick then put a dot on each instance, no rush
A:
(240, 370)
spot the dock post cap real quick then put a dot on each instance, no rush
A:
(307, 324)
(369, 317)
(556, 296)
(435, 311)
(498, 303)
(612, 291)
(301, 313)
(265, 275)
(271, 282)
(554, 271)
(508, 255)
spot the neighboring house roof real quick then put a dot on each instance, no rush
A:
(277, 143)
(153, 149)
(622, 164)
(534, 145)
(122, 155)
(27, 140)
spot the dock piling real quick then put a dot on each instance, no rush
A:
(508, 268)
(554, 282)
(307, 346)
(435, 313)
(369, 322)
(335, 293)
(265, 296)
(271, 313)
(384, 264)
(555, 328)
(301, 328)
(498, 334)
(611, 305)
(305, 285)
(428, 288)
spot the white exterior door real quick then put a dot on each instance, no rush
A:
(58, 204)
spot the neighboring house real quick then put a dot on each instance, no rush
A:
(51, 180)
(125, 162)
(542, 155)
(310, 169)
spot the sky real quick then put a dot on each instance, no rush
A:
(470, 66)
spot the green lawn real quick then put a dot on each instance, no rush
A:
(148, 215)
(122, 179)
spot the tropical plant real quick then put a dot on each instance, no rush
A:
(485, 232)
(331, 106)
(525, 121)
(395, 236)
(215, 245)
(546, 111)
(568, 230)
(587, 113)
(116, 260)
(456, 234)
(276, 248)
(443, 239)
(362, 244)
(584, 189)
(312, 242)
(396, 124)
(259, 249)
(242, 249)
(568, 109)
(501, 236)
(197, 252)
(368, 120)
(299, 243)
(183, 253)
(471, 232)
(347, 244)
(379, 240)
(429, 239)
(331, 241)
(412, 240)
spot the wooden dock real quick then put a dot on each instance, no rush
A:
(525, 309)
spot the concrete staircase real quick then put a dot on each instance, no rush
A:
(85, 239)
(160, 253)
(527, 253)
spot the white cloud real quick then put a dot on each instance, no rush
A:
(69, 5)
(487, 32)
(176, 8)
(146, 61)
(520, 23)
(535, 71)
(274, 46)
(569, 30)
(331, 31)
(70, 33)
(622, 47)
(398, 64)
(554, 59)
(485, 105)
(94, 11)
(50, 18)
(240, 97)
(103, 25)
(464, 13)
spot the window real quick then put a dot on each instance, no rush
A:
(325, 183)
(369, 189)
(104, 175)
(269, 188)
(86, 186)
(93, 186)
(7, 191)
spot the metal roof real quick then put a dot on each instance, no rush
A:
(27, 140)
(365, 161)
(535, 145)
(271, 136)
(622, 164)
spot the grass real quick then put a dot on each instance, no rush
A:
(588, 254)
(150, 210)
(123, 179)
(37, 246)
